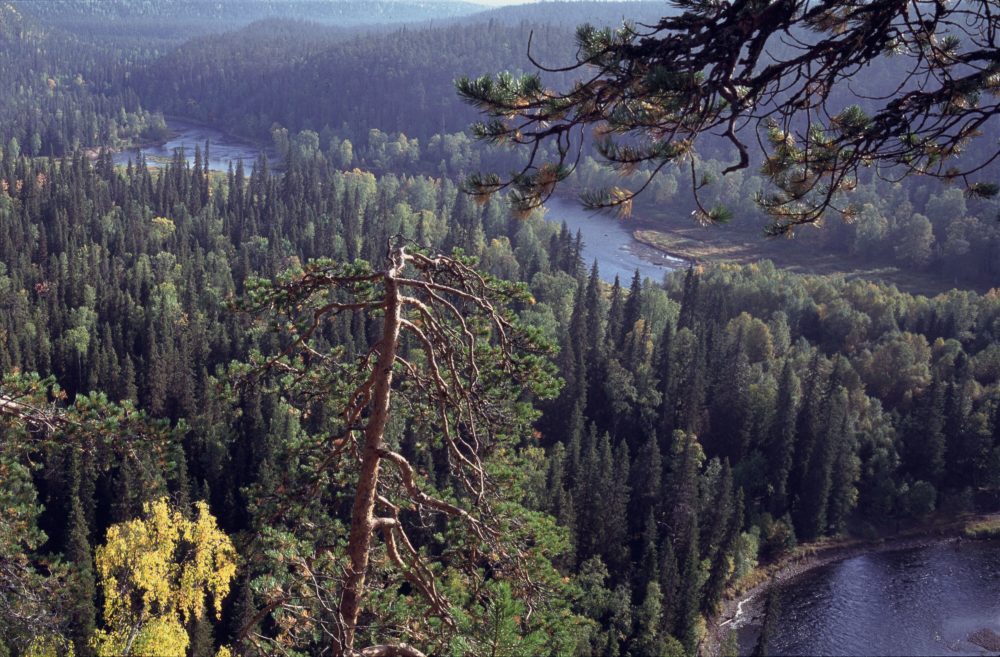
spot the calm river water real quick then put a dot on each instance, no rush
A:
(223, 149)
(609, 241)
(923, 601)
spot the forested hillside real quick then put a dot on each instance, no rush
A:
(711, 424)
(170, 21)
(179, 452)
(65, 93)
(402, 81)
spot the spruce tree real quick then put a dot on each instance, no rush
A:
(780, 447)
(731, 421)
(690, 299)
(648, 639)
(648, 562)
(610, 532)
(647, 481)
(924, 439)
(811, 511)
(718, 511)
(632, 312)
(665, 385)
(961, 450)
(82, 585)
(670, 582)
(692, 577)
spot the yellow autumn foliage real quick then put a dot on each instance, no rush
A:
(157, 572)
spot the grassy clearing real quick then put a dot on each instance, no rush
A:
(717, 245)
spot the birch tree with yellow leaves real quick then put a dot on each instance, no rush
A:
(158, 573)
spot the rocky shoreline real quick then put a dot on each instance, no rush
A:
(987, 639)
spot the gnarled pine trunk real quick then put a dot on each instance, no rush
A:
(362, 513)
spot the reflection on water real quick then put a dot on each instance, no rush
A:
(223, 149)
(609, 241)
(923, 601)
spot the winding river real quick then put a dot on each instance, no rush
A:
(606, 239)
(920, 601)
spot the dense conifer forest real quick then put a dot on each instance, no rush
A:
(675, 434)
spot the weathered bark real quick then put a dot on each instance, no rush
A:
(362, 513)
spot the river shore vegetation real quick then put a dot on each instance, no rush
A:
(165, 366)
(986, 528)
